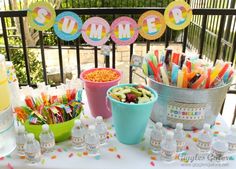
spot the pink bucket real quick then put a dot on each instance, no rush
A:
(96, 93)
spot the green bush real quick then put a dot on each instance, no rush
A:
(17, 57)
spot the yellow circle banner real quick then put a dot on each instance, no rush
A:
(178, 15)
(41, 15)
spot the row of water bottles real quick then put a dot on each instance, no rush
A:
(82, 138)
(169, 143)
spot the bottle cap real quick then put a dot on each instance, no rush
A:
(169, 135)
(99, 119)
(158, 125)
(207, 126)
(30, 136)
(233, 128)
(92, 127)
(77, 122)
(179, 126)
(45, 127)
(221, 135)
(21, 129)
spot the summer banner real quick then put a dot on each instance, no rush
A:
(178, 15)
(96, 31)
(151, 25)
(123, 30)
(41, 15)
(68, 26)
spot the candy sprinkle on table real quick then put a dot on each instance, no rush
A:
(53, 157)
(9, 166)
(152, 164)
(153, 158)
(70, 155)
(118, 156)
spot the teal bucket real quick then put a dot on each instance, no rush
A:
(130, 120)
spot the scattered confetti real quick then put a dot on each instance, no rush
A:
(8, 156)
(85, 153)
(118, 156)
(79, 154)
(150, 152)
(195, 139)
(231, 158)
(1, 158)
(112, 149)
(176, 156)
(9, 166)
(97, 157)
(86, 117)
(70, 155)
(217, 123)
(65, 149)
(187, 148)
(188, 135)
(111, 135)
(153, 158)
(22, 157)
(142, 148)
(215, 133)
(152, 164)
(195, 130)
(43, 161)
(53, 157)
(59, 150)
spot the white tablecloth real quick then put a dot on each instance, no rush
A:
(115, 155)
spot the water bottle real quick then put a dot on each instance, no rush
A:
(156, 137)
(205, 139)
(78, 135)
(101, 130)
(32, 149)
(21, 138)
(92, 141)
(179, 137)
(220, 146)
(168, 147)
(231, 138)
(47, 140)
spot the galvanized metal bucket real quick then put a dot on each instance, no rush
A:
(191, 107)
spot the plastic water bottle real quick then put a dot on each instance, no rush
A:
(101, 130)
(32, 149)
(92, 141)
(220, 146)
(231, 138)
(47, 140)
(21, 138)
(179, 137)
(156, 137)
(205, 139)
(78, 135)
(168, 147)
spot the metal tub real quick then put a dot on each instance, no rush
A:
(191, 107)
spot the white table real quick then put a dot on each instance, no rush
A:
(116, 155)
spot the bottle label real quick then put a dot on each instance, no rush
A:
(20, 148)
(217, 154)
(47, 145)
(32, 157)
(168, 155)
(155, 143)
(91, 148)
(78, 141)
(102, 138)
(180, 145)
(232, 147)
(204, 145)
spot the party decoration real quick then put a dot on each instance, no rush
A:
(68, 26)
(151, 25)
(178, 15)
(124, 30)
(41, 15)
(96, 31)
